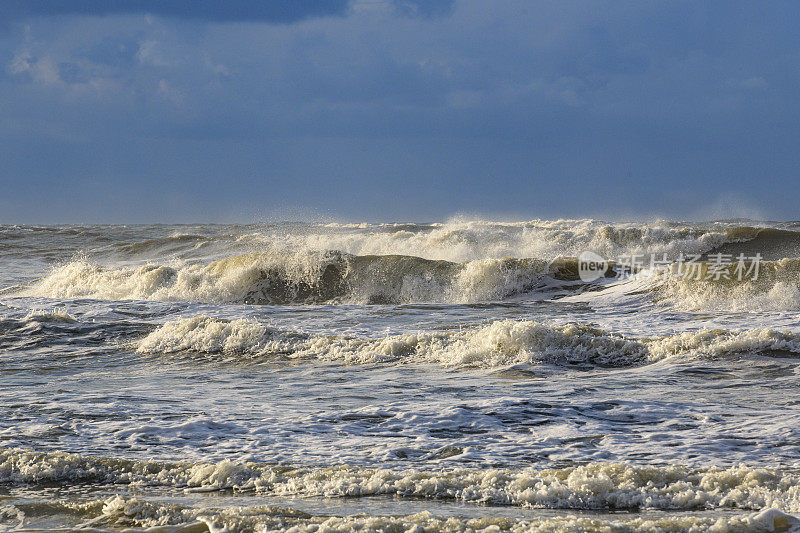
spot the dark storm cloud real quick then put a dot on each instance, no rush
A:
(273, 11)
(210, 10)
(404, 109)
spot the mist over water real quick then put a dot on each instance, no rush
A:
(443, 376)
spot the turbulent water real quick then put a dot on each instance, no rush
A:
(403, 377)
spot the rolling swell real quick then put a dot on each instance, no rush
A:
(771, 243)
(56, 328)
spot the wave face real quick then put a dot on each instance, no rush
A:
(499, 344)
(771, 243)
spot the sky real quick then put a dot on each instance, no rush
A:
(144, 111)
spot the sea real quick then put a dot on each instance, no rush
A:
(465, 375)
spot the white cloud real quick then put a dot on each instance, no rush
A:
(20, 63)
(43, 70)
(148, 54)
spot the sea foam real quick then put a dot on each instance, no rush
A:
(119, 511)
(588, 486)
(501, 343)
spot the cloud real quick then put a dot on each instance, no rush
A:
(42, 70)
(276, 12)
(148, 54)
(209, 10)
(425, 8)
(458, 105)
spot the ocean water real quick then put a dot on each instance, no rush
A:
(399, 377)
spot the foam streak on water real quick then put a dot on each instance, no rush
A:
(441, 377)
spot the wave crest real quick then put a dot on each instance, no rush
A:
(501, 343)
(461, 240)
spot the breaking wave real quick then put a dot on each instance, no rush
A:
(775, 288)
(266, 278)
(458, 240)
(587, 486)
(456, 262)
(501, 343)
(341, 278)
(118, 511)
(461, 240)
